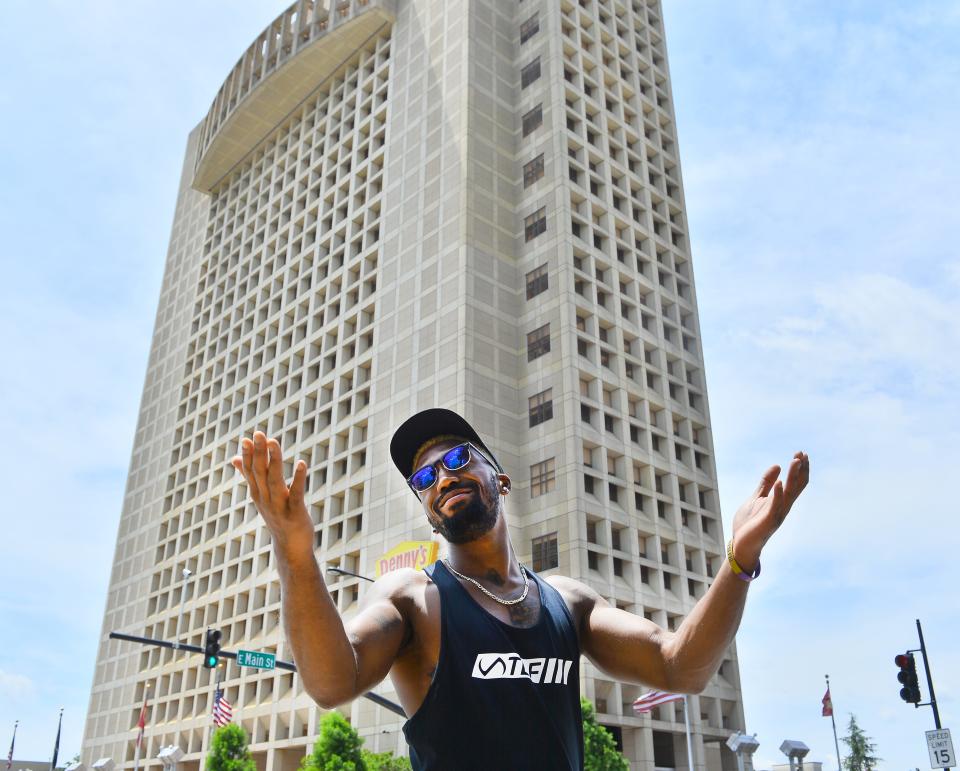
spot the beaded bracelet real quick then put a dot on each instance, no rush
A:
(738, 571)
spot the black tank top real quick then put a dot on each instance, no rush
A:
(502, 698)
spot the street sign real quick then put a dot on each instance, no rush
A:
(940, 747)
(260, 660)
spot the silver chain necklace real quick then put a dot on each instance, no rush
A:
(491, 595)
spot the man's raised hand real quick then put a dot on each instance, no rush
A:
(282, 507)
(760, 516)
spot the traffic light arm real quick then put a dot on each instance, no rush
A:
(288, 665)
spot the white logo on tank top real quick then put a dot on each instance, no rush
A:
(509, 666)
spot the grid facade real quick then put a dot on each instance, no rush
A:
(480, 207)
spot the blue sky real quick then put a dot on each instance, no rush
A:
(817, 145)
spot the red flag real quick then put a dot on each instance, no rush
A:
(827, 704)
(142, 722)
(654, 699)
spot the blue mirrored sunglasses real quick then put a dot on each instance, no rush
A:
(453, 460)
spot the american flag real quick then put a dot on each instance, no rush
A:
(222, 711)
(654, 699)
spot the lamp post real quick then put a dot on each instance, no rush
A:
(795, 752)
(342, 572)
(169, 756)
(742, 744)
(183, 599)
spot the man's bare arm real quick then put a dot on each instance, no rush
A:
(335, 664)
(634, 649)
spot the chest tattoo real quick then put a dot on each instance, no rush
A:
(525, 613)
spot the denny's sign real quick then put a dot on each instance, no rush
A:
(409, 554)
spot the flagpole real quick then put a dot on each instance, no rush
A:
(56, 744)
(686, 720)
(213, 726)
(136, 756)
(141, 726)
(834, 723)
(12, 742)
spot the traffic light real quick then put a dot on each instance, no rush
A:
(907, 676)
(211, 648)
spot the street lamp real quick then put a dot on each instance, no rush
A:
(183, 598)
(169, 756)
(796, 752)
(742, 744)
(342, 572)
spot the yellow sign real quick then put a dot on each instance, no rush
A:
(409, 554)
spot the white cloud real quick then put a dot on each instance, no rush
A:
(16, 687)
(820, 174)
(874, 329)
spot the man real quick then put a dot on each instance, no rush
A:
(484, 655)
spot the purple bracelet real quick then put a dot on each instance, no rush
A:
(738, 571)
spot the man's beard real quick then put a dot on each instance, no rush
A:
(473, 520)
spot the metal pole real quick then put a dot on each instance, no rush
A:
(686, 720)
(183, 598)
(374, 697)
(342, 572)
(834, 724)
(926, 666)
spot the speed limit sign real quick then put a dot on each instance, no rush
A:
(940, 747)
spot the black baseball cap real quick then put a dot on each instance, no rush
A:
(416, 430)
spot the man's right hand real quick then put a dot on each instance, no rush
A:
(282, 507)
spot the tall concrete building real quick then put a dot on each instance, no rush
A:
(397, 204)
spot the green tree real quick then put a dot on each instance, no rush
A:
(861, 757)
(599, 748)
(228, 750)
(385, 761)
(337, 748)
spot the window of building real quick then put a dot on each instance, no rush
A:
(537, 281)
(538, 342)
(541, 407)
(532, 120)
(529, 28)
(588, 484)
(533, 170)
(535, 224)
(543, 477)
(530, 73)
(593, 561)
(545, 554)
